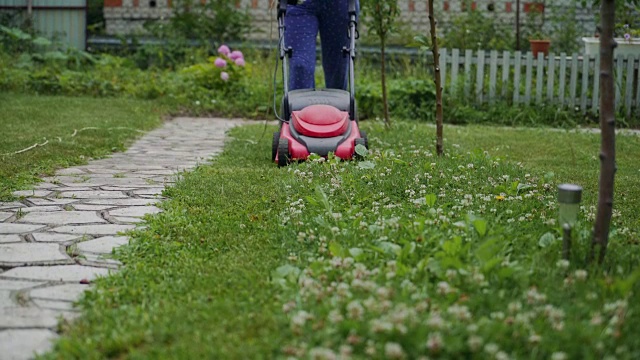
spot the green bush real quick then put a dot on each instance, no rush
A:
(408, 98)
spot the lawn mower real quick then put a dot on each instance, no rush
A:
(317, 121)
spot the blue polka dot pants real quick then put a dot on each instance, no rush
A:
(303, 22)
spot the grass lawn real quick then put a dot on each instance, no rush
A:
(103, 126)
(400, 256)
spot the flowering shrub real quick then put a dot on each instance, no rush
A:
(219, 73)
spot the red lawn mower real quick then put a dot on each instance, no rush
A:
(317, 121)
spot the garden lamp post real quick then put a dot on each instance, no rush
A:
(569, 197)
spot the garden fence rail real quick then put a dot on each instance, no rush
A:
(520, 78)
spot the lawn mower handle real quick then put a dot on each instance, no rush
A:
(282, 6)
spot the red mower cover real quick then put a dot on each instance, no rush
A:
(320, 121)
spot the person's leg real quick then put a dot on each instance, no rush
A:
(334, 34)
(300, 33)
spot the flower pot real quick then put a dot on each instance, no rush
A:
(625, 47)
(540, 46)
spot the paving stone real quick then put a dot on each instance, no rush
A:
(64, 292)
(5, 215)
(148, 192)
(54, 237)
(99, 261)
(70, 171)
(74, 188)
(126, 220)
(66, 273)
(11, 205)
(122, 202)
(106, 229)
(11, 228)
(135, 211)
(25, 344)
(118, 188)
(44, 208)
(50, 201)
(27, 317)
(96, 194)
(83, 207)
(62, 217)
(9, 238)
(45, 185)
(18, 284)
(102, 245)
(31, 193)
(156, 172)
(53, 304)
(24, 254)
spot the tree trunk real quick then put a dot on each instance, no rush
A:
(608, 135)
(438, 79)
(385, 102)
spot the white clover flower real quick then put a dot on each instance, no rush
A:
(581, 275)
(535, 339)
(393, 350)
(320, 353)
(435, 342)
(501, 355)
(491, 348)
(563, 264)
(355, 310)
(475, 342)
(558, 355)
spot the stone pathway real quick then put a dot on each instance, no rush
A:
(57, 238)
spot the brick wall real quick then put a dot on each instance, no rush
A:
(127, 16)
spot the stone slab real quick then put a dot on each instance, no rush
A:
(45, 208)
(49, 201)
(96, 194)
(126, 220)
(106, 229)
(11, 205)
(5, 215)
(11, 228)
(65, 273)
(12, 238)
(53, 304)
(45, 185)
(84, 207)
(122, 202)
(27, 317)
(135, 211)
(18, 284)
(31, 193)
(25, 344)
(70, 171)
(25, 254)
(64, 292)
(62, 217)
(102, 245)
(54, 237)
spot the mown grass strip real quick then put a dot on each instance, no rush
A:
(405, 256)
(109, 124)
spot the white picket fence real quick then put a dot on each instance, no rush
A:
(519, 78)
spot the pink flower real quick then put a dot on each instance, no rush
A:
(236, 55)
(224, 76)
(220, 63)
(240, 62)
(224, 50)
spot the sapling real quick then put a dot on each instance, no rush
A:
(380, 17)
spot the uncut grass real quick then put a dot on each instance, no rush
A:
(198, 281)
(30, 119)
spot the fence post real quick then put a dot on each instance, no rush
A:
(467, 72)
(455, 64)
(516, 76)
(628, 93)
(539, 77)
(586, 60)
(562, 77)
(573, 83)
(443, 68)
(528, 80)
(493, 69)
(506, 58)
(595, 100)
(480, 76)
(551, 78)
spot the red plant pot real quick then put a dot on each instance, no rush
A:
(538, 46)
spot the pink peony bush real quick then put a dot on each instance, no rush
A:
(221, 72)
